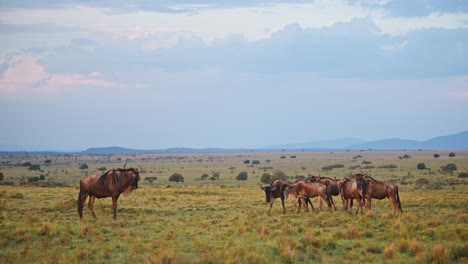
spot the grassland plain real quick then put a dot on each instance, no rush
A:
(226, 221)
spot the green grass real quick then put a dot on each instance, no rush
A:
(193, 222)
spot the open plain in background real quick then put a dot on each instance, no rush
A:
(225, 220)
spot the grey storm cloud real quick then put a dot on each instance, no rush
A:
(350, 50)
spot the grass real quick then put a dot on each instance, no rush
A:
(227, 222)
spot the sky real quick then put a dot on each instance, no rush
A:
(149, 74)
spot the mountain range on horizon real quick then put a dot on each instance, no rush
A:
(457, 141)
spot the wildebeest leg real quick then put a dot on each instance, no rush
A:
(350, 206)
(90, 205)
(327, 200)
(282, 202)
(360, 205)
(331, 201)
(81, 200)
(271, 205)
(394, 204)
(114, 205)
(307, 199)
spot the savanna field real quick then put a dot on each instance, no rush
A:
(213, 217)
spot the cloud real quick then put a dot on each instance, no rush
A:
(26, 74)
(417, 8)
(356, 49)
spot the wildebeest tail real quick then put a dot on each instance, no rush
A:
(80, 204)
(398, 200)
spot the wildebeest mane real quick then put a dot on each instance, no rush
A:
(118, 178)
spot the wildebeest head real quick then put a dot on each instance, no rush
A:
(360, 182)
(267, 190)
(274, 190)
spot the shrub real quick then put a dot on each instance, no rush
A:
(266, 178)
(449, 168)
(463, 175)
(242, 176)
(422, 181)
(440, 254)
(331, 167)
(451, 155)
(436, 156)
(176, 177)
(421, 166)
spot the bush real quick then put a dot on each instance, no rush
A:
(266, 178)
(422, 181)
(242, 176)
(463, 175)
(436, 156)
(421, 166)
(331, 167)
(176, 177)
(451, 154)
(449, 168)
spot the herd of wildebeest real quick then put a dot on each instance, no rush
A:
(360, 187)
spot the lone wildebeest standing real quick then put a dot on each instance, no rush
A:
(349, 191)
(110, 184)
(372, 188)
(332, 186)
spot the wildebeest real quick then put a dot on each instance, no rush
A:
(276, 190)
(303, 190)
(349, 191)
(110, 184)
(372, 188)
(332, 186)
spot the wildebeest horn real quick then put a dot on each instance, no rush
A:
(125, 165)
(141, 169)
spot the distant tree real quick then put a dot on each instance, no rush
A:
(463, 175)
(47, 161)
(150, 180)
(176, 177)
(212, 179)
(255, 162)
(216, 174)
(450, 168)
(266, 178)
(278, 174)
(34, 167)
(102, 169)
(406, 157)
(436, 155)
(204, 176)
(1, 176)
(26, 164)
(421, 166)
(293, 157)
(283, 157)
(84, 166)
(242, 176)
(246, 161)
(451, 154)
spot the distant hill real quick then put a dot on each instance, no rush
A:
(457, 141)
(325, 144)
(451, 142)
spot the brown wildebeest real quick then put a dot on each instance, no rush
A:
(332, 186)
(276, 190)
(372, 188)
(303, 190)
(110, 184)
(349, 191)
